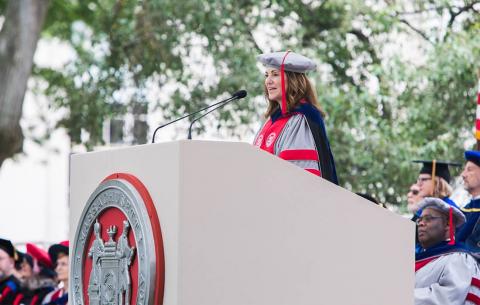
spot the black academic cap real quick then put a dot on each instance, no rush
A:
(23, 257)
(8, 247)
(56, 249)
(441, 168)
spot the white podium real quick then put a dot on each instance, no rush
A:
(243, 227)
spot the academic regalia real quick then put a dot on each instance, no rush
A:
(435, 169)
(35, 296)
(470, 232)
(446, 199)
(24, 258)
(36, 288)
(40, 255)
(43, 259)
(9, 289)
(445, 273)
(300, 138)
(297, 135)
(55, 249)
(59, 296)
(10, 286)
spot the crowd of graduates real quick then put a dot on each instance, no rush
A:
(36, 277)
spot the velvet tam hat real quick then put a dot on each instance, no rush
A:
(292, 62)
(473, 156)
(443, 207)
(39, 254)
(286, 61)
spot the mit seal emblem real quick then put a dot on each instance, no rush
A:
(118, 250)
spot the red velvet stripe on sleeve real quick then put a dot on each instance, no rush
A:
(473, 298)
(34, 300)
(475, 282)
(299, 154)
(314, 171)
(18, 298)
(5, 292)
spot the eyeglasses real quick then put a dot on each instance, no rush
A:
(426, 219)
(421, 180)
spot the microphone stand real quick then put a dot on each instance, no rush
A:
(190, 114)
(198, 118)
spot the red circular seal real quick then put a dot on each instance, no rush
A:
(118, 252)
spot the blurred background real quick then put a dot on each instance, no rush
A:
(397, 79)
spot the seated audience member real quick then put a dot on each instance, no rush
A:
(9, 284)
(470, 232)
(444, 270)
(413, 202)
(413, 199)
(24, 266)
(59, 255)
(35, 288)
(433, 180)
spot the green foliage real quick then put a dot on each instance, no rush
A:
(383, 110)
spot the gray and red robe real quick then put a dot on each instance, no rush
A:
(446, 274)
(299, 136)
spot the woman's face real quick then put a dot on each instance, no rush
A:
(425, 185)
(273, 84)
(62, 268)
(26, 271)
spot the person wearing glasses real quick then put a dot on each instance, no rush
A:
(470, 232)
(294, 130)
(413, 199)
(434, 180)
(444, 269)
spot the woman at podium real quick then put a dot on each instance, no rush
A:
(294, 129)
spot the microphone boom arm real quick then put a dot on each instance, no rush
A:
(198, 118)
(190, 114)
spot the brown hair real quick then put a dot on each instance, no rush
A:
(61, 254)
(298, 88)
(442, 188)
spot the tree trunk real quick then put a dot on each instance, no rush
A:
(18, 41)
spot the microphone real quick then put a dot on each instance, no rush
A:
(240, 94)
(236, 96)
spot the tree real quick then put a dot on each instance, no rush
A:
(18, 40)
